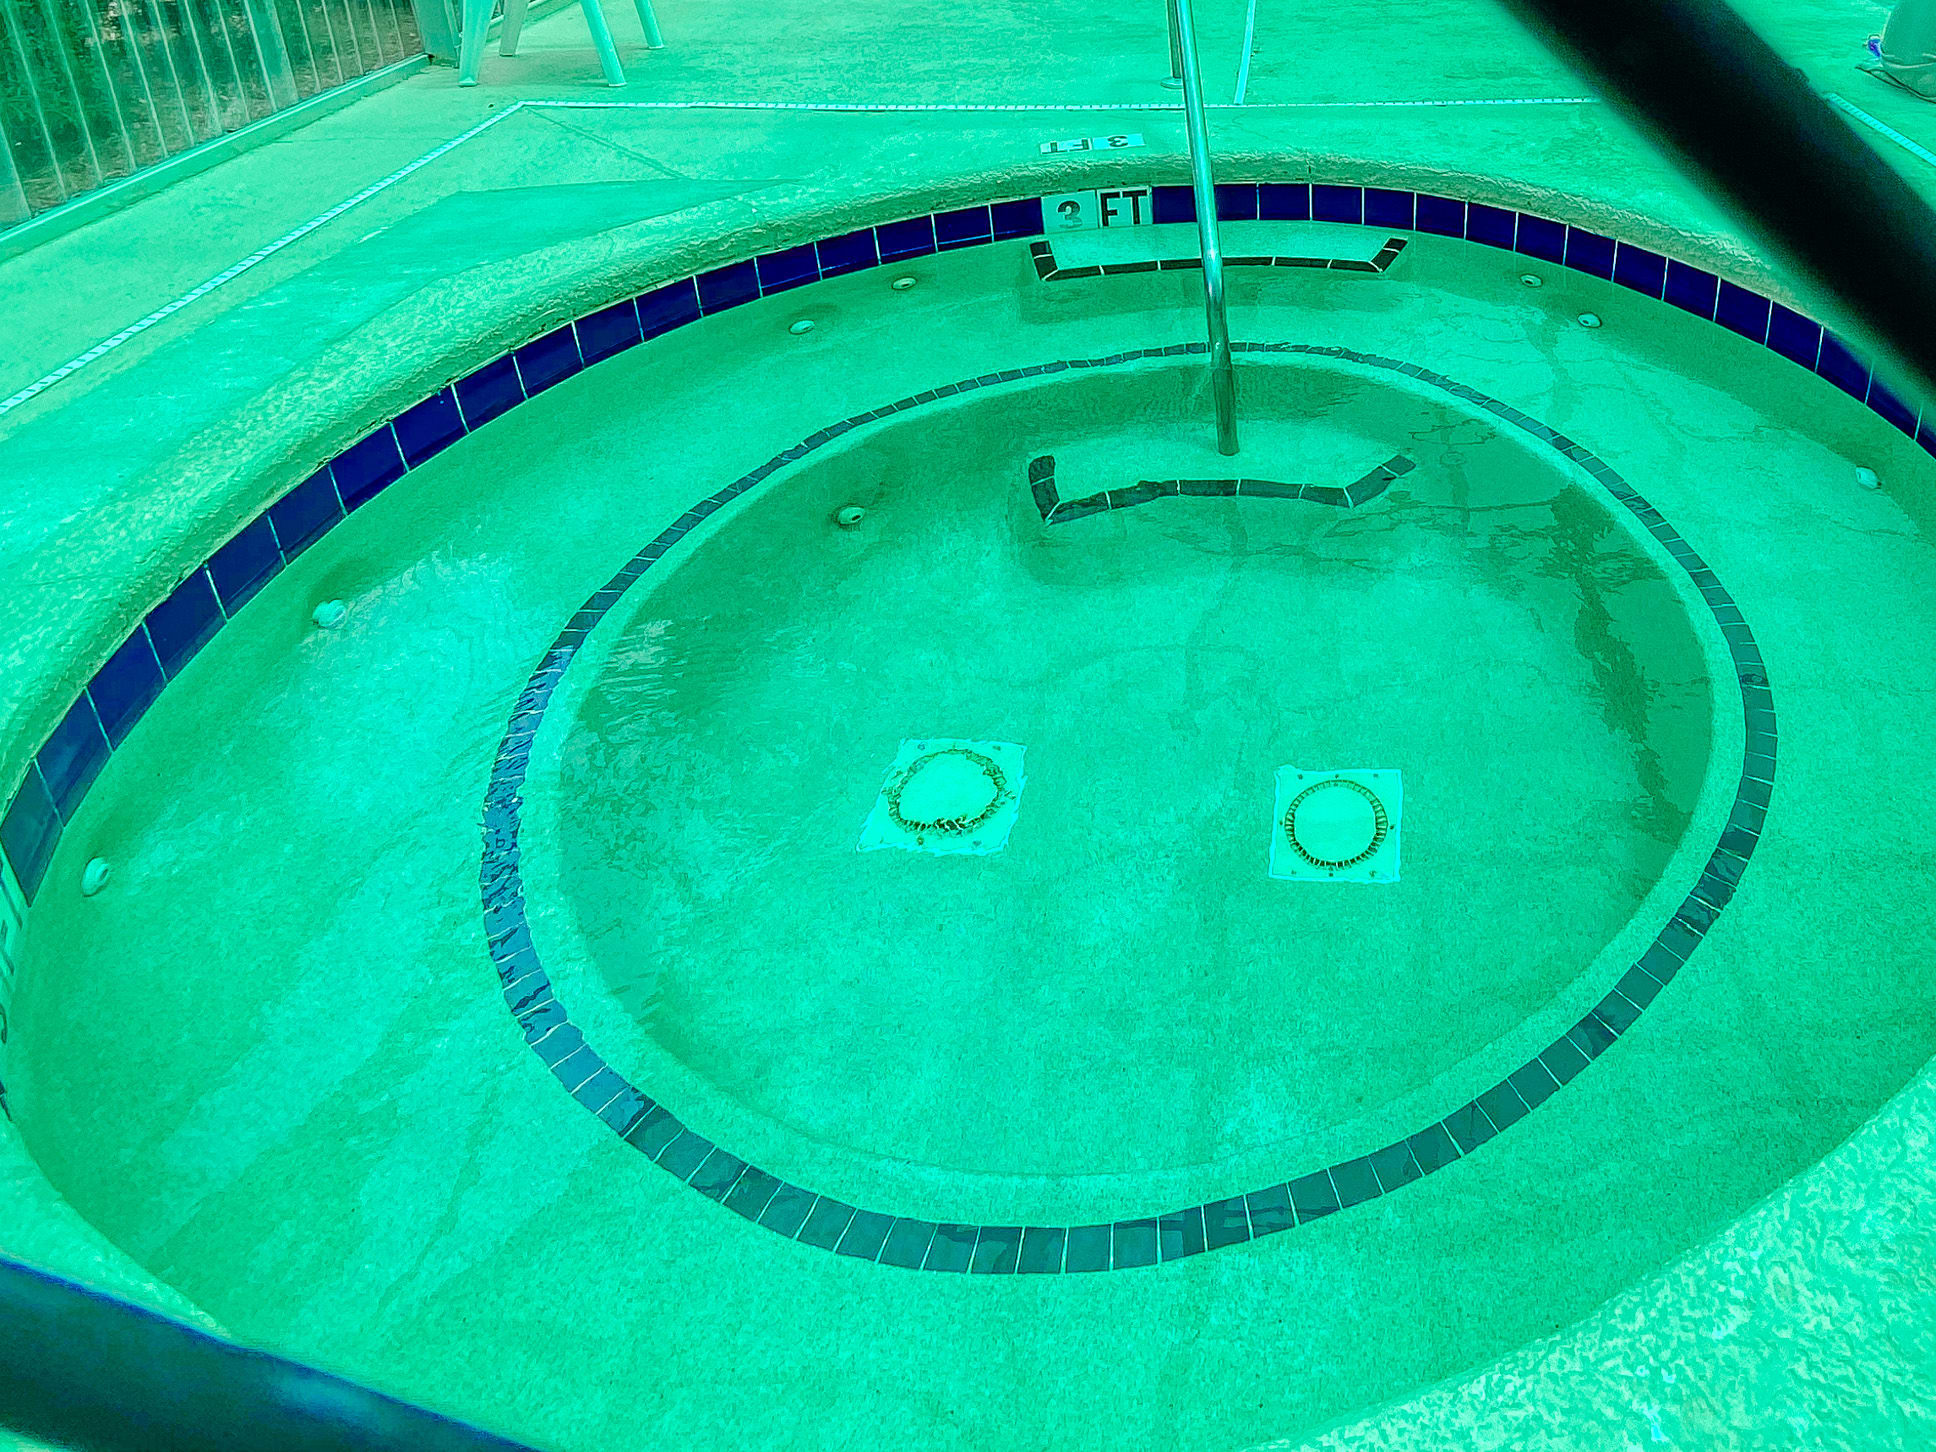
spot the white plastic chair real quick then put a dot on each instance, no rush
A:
(477, 20)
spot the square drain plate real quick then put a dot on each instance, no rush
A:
(947, 796)
(1336, 826)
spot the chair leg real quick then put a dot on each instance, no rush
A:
(477, 20)
(602, 42)
(513, 26)
(650, 21)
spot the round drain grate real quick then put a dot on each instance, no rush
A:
(1336, 823)
(951, 791)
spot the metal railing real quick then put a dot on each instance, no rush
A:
(94, 90)
(1223, 378)
(89, 1371)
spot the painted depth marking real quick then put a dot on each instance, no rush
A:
(262, 254)
(1915, 149)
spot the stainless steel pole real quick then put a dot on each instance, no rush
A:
(1174, 80)
(1223, 378)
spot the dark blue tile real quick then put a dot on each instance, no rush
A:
(126, 686)
(1794, 336)
(907, 1243)
(1563, 1060)
(1887, 402)
(1540, 237)
(245, 564)
(912, 238)
(1337, 204)
(548, 360)
(1270, 1210)
(1387, 208)
(305, 514)
(1589, 252)
(1441, 215)
(1741, 311)
(851, 252)
(665, 308)
(1284, 202)
(1639, 269)
(1493, 226)
(1016, 219)
(1690, 289)
(484, 394)
(1041, 1250)
(793, 267)
(962, 228)
(1842, 368)
(29, 832)
(1180, 1234)
(600, 335)
(787, 1209)
(1135, 1243)
(1088, 1248)
(996, 1250)
(825, 1224)
(430, 427)
(1502, 1105)
(728, 286)
(1469, 1127)
(1432, 1148)
(364, 469)
(1236, 202)
(952, 1248)
(182, 624)
(1313, 1196)
(1356, 1182)
(866, 1233)
(1393, 1165)
(73, 756)
(1173, 204)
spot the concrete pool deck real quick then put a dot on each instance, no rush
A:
(1802, 1290)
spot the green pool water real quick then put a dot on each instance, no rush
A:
(1123, 989)
(272, 1060)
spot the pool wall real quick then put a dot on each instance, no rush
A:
(156, 650)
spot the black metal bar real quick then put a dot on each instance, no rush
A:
(87, 1370)
(1696, 77)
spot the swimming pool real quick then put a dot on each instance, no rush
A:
(354, 1154)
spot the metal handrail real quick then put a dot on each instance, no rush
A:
(87, 1370)
(1223, 377)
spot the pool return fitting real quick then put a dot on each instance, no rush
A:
(1223, 378)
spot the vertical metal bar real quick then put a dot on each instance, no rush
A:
(31, 89)
(1223, 378)
(97, 45)
(390, 9)
(13, 196)
(1174, 80)
(176, 89)
(95, 173)
(335, 46)
(271, 53)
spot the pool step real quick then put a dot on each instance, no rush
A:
(1057, 510)
(1172, 247)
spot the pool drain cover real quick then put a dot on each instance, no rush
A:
(946, 796)
(1336, 826)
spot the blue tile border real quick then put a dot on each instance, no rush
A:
(834, 1225)
(128, 682)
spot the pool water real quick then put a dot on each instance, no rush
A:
(272, 1060)
(1144, 994)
